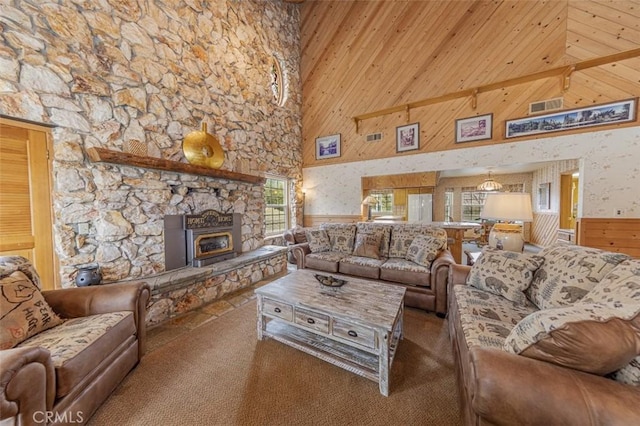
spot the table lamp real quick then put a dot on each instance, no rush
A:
(507, 207)
(369, 201)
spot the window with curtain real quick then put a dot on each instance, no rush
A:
(276, 210)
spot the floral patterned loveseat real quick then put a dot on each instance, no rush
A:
(63, 352)
(552, 338)
(412, 255)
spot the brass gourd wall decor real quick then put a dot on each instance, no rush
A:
(203, 149)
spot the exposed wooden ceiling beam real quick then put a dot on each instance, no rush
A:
(564, 71)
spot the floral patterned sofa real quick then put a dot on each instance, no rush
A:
(412, 255)
(552, 338)
(63, 352)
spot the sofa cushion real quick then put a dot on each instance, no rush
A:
(324, 261)
(406, 272)
(361, 266)
(590, 337)
(569, 273)
(486, 318)
(379, 228)
(24, 312)
(80, 344)
(367, 245)
(299, 234)
(629, 374)
(504, 273)
(318, 240)
(403, 234)
(424, 249)
(341, 236)
(9, 264)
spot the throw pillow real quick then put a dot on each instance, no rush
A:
(403, 234)
(299, 235)
(504, 273)
(367, 245)
(318, 240)
(424, 249)
(569, 273)
(590, 337)
(24, 311)
(341, 236)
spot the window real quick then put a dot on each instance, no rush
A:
(278, 80)
(448, 205)
(473, 201)
(276, 211)
(384, 201)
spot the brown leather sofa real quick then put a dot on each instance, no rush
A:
(498, 387)
(426, 287)
(63, 374)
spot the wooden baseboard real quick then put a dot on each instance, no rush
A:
(315, 220)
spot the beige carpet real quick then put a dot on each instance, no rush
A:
(219, 374)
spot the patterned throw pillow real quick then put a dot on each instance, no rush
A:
(24, 312)
(341, 236)
(379, 228)
(504, 273)
(368, 245)
(629, 374)
(318, 240)
(590, 337)
(424, 249)
(569, 273)
(403, 234)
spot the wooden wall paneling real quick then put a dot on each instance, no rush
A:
(317, 220)
(613, 234)
(544, 229)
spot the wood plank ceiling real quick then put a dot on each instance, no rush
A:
(359, 57)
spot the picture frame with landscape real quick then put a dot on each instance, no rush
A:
(328, 147)
(570, 119)
(408, 137)
(475, 128)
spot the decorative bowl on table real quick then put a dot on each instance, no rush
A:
(329, 281)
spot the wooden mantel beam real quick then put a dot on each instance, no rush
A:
(563, 72)
(102, 155)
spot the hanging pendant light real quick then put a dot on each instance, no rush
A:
(489, 185)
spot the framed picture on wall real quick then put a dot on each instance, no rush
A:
(408, 137)
(328, 147)
(544, 196)
(593, 115)
(474, 128)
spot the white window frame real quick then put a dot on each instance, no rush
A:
(285, 206)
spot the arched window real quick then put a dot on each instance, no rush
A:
(278, 81)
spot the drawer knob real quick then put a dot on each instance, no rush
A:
(277, 310)
(352, 333)
(311, 321)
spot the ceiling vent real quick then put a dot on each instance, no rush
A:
(374, 137)
(548, 105)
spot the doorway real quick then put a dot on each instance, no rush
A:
(25, 197)
(569, 184)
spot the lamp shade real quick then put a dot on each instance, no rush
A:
(489, 185)
(508, 206)
(370, 199)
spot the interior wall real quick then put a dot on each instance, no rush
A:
(146, 73)
(605, 157)
(360, 57)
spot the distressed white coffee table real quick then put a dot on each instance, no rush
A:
(356, 326)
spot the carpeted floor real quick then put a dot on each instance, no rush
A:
(219, 374)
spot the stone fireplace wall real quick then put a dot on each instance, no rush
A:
(110, 72)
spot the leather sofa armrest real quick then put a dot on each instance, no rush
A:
(83, 301)
(439, 278)
(458, 274)
(512, 389)
(27, 383)
(299, 251)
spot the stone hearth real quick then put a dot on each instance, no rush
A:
(177, 292)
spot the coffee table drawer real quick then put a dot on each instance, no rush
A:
(356, 333)
(277, 309)
(312, 320)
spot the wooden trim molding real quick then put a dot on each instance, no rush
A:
(102, 155)
(564, 72)
(316, 220)
(612, 234)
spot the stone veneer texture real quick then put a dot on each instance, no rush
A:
(110, 72)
